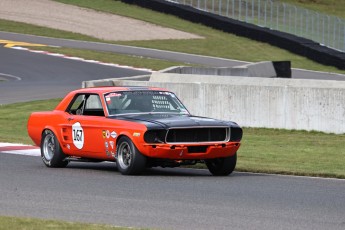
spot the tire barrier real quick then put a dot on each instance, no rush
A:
(301, 46)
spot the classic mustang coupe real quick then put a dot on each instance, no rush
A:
(136, 127)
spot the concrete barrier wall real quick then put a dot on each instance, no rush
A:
(259, 102)
(280, 69)
(259, 69)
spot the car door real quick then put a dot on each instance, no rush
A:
(84, 133)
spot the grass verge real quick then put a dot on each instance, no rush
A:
(121, 59)
(37, 224)
(13, 119)
(292, 152)
(24, 28)
(331, 7)
(262, 150)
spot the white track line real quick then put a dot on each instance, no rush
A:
(19, 149)
(82, 59)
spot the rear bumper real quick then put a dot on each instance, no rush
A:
(189, 152)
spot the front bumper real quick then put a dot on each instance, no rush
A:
(190, 151)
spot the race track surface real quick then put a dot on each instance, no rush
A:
(168, 198)
(33, 76)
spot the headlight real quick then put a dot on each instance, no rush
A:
(155, 136)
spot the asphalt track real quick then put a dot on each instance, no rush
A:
(161, 198)
(168, 198)
(31, 76)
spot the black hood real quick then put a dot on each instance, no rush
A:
(156, 121)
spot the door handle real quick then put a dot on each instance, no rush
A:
(70, 119)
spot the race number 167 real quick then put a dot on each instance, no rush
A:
(77, 135)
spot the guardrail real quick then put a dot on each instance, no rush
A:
(322, 28)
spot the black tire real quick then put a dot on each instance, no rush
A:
(222, 166)
(51, 152)
(129, 160)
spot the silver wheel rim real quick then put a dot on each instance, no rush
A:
(49, 147)
(125, 155)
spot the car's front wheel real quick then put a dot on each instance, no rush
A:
(129, 160)
(222, 166)
(51, 152)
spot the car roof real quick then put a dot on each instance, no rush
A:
(102, 90)
(106, 89)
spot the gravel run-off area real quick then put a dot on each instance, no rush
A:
(100, 25)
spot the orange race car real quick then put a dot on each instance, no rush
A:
(137, 127)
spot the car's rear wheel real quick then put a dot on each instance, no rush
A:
(51, 152)
(129, 160)
(222, 166)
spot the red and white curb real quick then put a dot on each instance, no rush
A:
(82, 59)
(20, 149)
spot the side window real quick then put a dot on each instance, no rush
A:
(93, 102)
(86, 104)
(77, 106)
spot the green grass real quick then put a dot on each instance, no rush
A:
(262, 150)
(331, 7)
(36, 224)
(13, 119)
(292, 152)
(121, 59)
(24, 28)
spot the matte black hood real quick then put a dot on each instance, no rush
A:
(153, 121)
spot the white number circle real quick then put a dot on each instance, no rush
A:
(78, 135)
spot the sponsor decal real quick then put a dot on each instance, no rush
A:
(107, 133)
(112, 144)
(78, 135)
(103, 133)
(113, 134)
(108, 100)
(112, 153)
(68, 146)
(114, 95)
(201, 119)
(136, 134)
(106, 145)
(107, 152)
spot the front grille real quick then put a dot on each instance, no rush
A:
(192, 135)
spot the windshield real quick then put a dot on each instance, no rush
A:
(128, 102)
